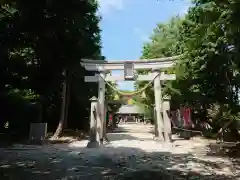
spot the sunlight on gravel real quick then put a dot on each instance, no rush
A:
(127, 156)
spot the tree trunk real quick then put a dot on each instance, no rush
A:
(60, 127)
(67, 101)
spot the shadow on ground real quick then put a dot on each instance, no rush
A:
(122, 130)
(65, 162)
(225, 149)
(61, 162)
(168, 175)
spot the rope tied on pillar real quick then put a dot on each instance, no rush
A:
(134, 92)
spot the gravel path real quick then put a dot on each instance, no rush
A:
(129, 155)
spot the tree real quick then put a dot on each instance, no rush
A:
(208, 72)
(163, 43)
(40, 41)
(211, 56)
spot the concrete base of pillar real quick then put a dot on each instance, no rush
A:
(168, 138)
(162, 140)
(157, 138)
(93, 144)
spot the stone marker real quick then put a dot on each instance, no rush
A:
(38, 133)
(94, 138)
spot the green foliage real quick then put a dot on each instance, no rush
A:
(163, 44)
(39, 40)
(208, 72)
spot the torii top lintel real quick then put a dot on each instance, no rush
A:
(102, 65)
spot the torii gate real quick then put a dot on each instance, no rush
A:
(129, 66)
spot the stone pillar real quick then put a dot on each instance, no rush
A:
(94, 140)
(101, 97)
(167, 121)
(105, 123)
(158, 103)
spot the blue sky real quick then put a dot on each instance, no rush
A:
(127, 24)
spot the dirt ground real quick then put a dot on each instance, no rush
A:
(131, 154)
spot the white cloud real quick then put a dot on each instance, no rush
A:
(140, 34)
(108, 5)
(184, 11)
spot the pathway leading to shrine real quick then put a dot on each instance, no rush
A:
(131, 154)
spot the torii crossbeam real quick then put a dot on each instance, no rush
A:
(99, 65)
(156, 65)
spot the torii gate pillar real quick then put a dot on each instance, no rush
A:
(166, 120)
(104, 66)
(101, 97)
(158, 104)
